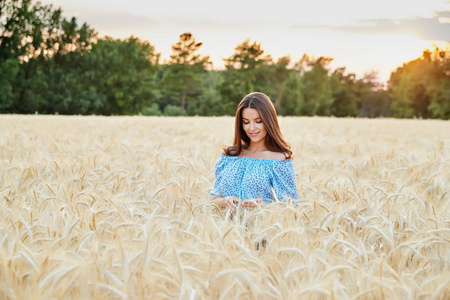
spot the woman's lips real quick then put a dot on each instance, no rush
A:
(254, 134)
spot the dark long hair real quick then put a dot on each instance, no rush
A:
(274, 140)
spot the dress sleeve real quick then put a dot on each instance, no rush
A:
(283, 181)
(220, 165)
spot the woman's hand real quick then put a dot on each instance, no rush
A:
(251, 204)
(227, 202)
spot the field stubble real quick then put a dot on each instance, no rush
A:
(119, 207)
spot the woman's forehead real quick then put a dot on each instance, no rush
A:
(250, 113)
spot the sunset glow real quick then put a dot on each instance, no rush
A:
(360, 35)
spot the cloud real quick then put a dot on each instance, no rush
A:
(435, 28)
(125, 23)
(114, 21)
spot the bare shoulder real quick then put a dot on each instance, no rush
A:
(278, 156)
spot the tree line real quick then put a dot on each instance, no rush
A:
(49, 64)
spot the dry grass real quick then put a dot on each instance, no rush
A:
(118, 208)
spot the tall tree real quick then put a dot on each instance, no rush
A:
(439, 90)
(209, 102)
(345, 101)
(186, 69)
(244, 73)
(421, 87)
(31, 34)
(317, 92)
(124, 71)
(374, 100)
(9, 69)
(293, 100)
(115, 77)
(279, 74)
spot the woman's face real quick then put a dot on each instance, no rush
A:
(253, 125)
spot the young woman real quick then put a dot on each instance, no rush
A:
(257, 168)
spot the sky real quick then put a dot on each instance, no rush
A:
(361, 35)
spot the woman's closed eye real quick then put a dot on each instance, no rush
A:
(259, 122)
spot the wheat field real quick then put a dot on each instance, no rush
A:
(118, 208)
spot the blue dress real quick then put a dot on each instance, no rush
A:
(253, 178)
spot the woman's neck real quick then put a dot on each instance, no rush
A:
(256, 148)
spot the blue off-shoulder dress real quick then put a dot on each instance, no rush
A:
(254, 178)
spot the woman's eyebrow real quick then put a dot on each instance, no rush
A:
(248, 119)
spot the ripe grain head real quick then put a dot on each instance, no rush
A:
(118, 207)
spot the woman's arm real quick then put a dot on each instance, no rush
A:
(284, 181)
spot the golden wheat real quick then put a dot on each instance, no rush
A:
(119, 208)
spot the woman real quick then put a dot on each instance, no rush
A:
(257, 169)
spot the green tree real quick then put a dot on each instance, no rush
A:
(399, 91)
(114, 77)
(61, 75)
(9, 69)
(377, 104)
(31, 34)
(245, 73)
(210, 101)
(408, 91)
(293, 94)
(183, 77)
(421, 87)
(345, 100)
(317, 92)
(124, 71)
(278, 78)
(439, 89)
